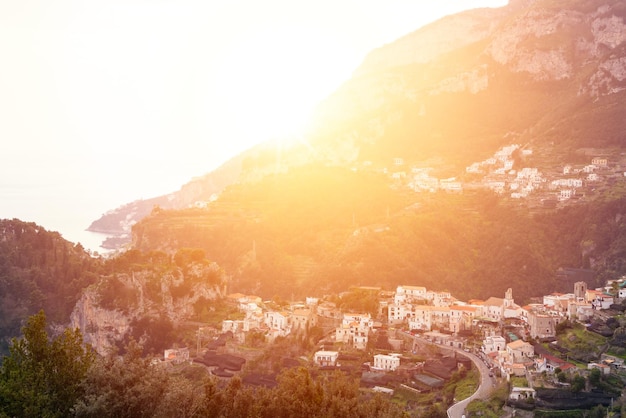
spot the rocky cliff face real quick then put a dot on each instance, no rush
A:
(545, 41)
(555, 46)
(174, 293)
(479, 75)
(101, 328)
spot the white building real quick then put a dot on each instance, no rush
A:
(439, 298)
(388, 362)
(600, 161)
(409, 294)
(277, 321)
(398, 313)
(461, 317)
(363, 321)
(354, 330)
(579, 310)
(493, 344)
(519, 393)
(326, 358)
(421, 318)
(604, 368)
(519, 351)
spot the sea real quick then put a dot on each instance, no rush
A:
(68, 214)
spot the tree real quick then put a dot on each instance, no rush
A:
(578, 383)
(124, 387)
(42, 376)
(594, 377)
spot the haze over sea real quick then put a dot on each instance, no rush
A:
(55, 208)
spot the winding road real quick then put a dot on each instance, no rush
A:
(487, 383)
(485, 388)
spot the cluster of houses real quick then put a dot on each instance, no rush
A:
(423, 310)
(353, 329)
(436, 316)
(273, 323)
(499, 174)
(439, 317)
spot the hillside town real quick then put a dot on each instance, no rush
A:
(506, 337)
(507, 174)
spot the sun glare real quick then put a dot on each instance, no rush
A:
(271, 81)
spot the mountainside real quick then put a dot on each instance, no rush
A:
(538, 87)
(118, 222)
(528, 73)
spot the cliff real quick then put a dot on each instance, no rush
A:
(109, 312)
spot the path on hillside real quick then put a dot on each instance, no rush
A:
(487, 383)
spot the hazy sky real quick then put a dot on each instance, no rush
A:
(107, 101)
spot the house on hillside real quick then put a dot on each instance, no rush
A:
(277, 322)
(622, 290)
(579, 310)
(325, 358)
(232, 325)
(601, 162)
(519, 351)
(519, 393)
(543, 323)
(176, 355)
(398, 313)
(302, 319)
(549, 363)
(421, 318)
(387, 362)
(493, 344)
(329, 310)
(409, 294)
(440, 317)
(462, 317)
(360, 339)
(354, 330)
(604, 368)
(599, 298)
(441, 299)
(497, 309)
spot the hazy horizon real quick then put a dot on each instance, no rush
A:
(109, 102)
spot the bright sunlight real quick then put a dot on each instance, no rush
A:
(271, 82)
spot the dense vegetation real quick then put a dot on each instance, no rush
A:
(319, 230)
(59, 377)
(43, 377)
(39, 270)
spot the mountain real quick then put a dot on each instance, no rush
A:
(529, 73)
(539, 86)
(118, 222)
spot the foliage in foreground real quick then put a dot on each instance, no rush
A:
(42, 377)
(61, 377)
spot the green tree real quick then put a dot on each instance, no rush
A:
(41, 376)
(578, 383)
(124, 387)
(594, 377)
